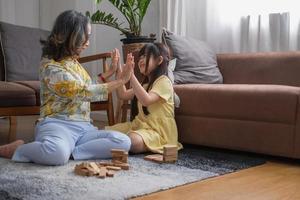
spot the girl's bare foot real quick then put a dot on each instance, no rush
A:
(8, 150)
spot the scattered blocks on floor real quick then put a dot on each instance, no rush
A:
(104, 169)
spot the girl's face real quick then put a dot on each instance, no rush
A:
(87, 43)
(153, 63)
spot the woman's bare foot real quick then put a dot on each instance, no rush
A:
(8, 150)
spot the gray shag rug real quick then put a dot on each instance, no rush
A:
(28, 181)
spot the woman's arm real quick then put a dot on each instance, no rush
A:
(65, 85)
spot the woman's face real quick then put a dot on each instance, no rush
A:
(87, 43)
(153, 63)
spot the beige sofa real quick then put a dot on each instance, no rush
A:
(255, 110)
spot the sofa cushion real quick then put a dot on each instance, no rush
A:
(277, 68)
(34, 85)
(196, 61)
(268, 103)
(22, 51)
(13, 94)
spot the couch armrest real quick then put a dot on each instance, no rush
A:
(102, 56)
(297, 131)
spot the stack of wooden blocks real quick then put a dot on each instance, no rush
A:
(104, 169)
(170, 154)
(119, 155)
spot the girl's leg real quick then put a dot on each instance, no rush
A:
(97, 144)
(52, 146)
(137, 143)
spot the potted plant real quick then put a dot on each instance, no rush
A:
(134, 12)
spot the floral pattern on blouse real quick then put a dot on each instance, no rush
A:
(67, 90)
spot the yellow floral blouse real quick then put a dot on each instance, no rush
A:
(67, 90)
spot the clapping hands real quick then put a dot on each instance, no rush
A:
(125, 73)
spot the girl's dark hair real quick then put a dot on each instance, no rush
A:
(69, 33)
(152, 50)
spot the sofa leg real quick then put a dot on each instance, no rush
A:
(12, 133)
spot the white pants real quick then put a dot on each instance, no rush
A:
(56, 140)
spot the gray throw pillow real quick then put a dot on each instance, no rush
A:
(22, 51)
(171, 68)
(196, 61)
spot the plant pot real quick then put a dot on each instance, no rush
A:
(137, 39)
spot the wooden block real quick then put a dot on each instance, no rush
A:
(117, 151)
(155, 157)
(117, 157)
(170, 146)
(81, 171)
(170, 150)
(105, 163)
(102, 173)
(95, 167)
(115, 168)
(117, 162)
(110, 173)
(172, 159)
(125, 159)
(124, 166)
(91, 171)
(82, 165)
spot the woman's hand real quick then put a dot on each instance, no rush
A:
(115, 60)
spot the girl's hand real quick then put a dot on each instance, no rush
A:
(128, 68)
(119, 71)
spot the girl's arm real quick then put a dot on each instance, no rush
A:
(122, 92)
(142, 95)
(125, 94)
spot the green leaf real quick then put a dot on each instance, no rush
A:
(143, 6)
(133, 10)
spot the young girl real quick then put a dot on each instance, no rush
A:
(154, 123)
(65, 127)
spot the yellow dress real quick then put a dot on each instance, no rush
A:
(158, 128)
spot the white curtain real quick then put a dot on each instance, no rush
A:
(20, 12)
(235, 25)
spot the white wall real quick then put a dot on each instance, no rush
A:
(42, 13)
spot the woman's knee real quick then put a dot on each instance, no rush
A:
(122, 139)
(58, 155)
(137, 143)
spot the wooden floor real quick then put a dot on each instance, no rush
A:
(276, 180)
(271, 181)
